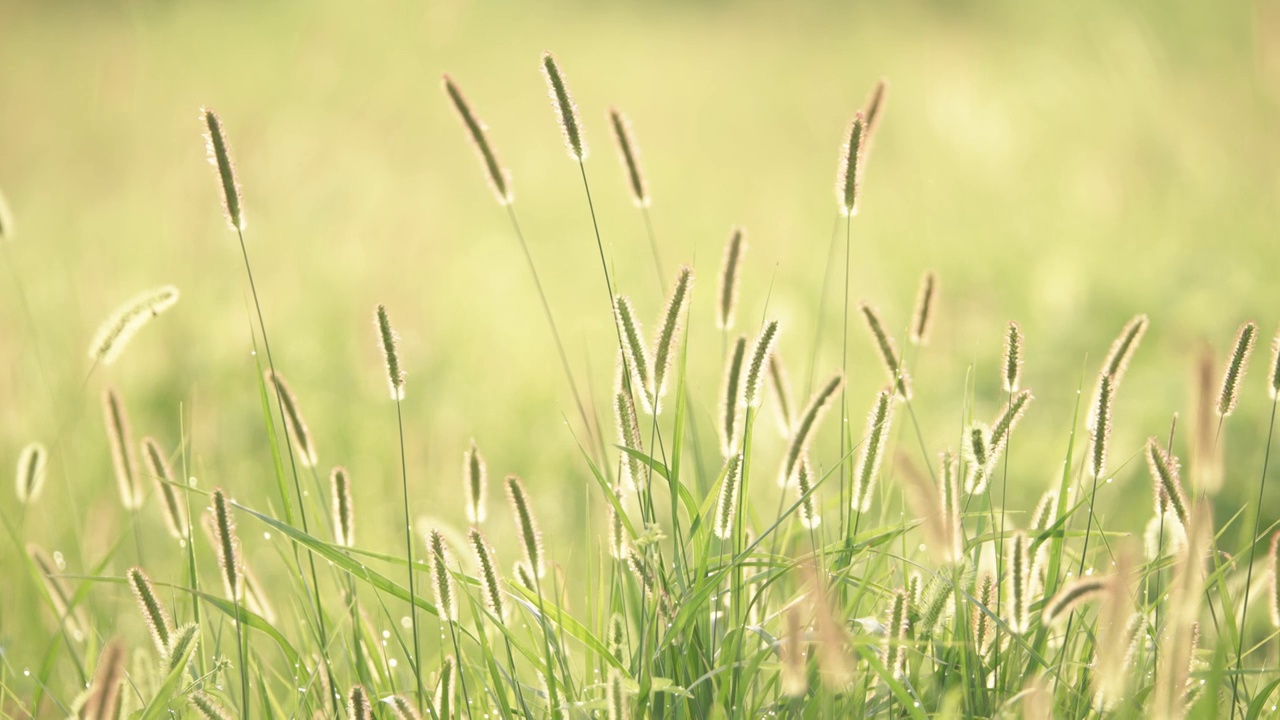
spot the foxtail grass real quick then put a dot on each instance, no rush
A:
(342, 508)
(174, 507)
(494, 171)
(730, 397)
(1236, 368)
(873, 447)
(666, 344)
(153, 612)
(730, 273)
(294, 422)
(898, 377)
(113, 336)
(125, 463)
(30, 475)
(922, 317)
(475, 483)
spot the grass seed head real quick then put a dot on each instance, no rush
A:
(358, 707)
(441, 580)
(114, 334)
(1274, 561)
(104, 698)
(6, 221)
(499, 178)
(1100, 430)
(730, 273)
(72, 618)
(1236, 368)
(487, 573)
(344, 514)
(527, 524)
(753, 384)
(565, 108)
(637, 354)
(152, 611)
(617, 635)
(476, 481)
(806, 426)
(207, 707)
(617, 534)
(446, 688)
(1072, 595)
(727, 502)
(1007, 421)
(1012, 358)
(388, 340)
(402, 708)
(873, 445)
(895, 651)
(781, 393)
(630, 153)
(1273, 386)
(1168, 485)
(977, 449)
(632, 468)
(173, 505)
(122, 456)
(809, 516)
(31, 471)
(182, 645)
(615, 691)
(220, 158)
(922, 318)
(293, 420)
(1021, 582)
(1045, 514)
(849, 177)
(669, 336)
(898, 377)
(229, 560)
(729, 399)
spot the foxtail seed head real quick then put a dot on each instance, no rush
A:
(1122, 349)
(617, 635)
(729, 400)
(388, 338)
(1072, 595)
(488, 573)
(358, 707)
(922, 318)
(446, 688)
(875, 105)
(296, 424)
(949, 490)
(1021, 582)
(751, 387)
(402, 708)
(152, 611)
(804, 428)
(477, 484)
(781, 393)
(1273, 387)
(898, 377)
(630, 156)
(795, 677)
(727, 503)
(809, 516)
(31, 471)
(224, 528)
(729, 274)
(565, 108)
(182, 645)
(977, 449)
(637, 360)
(6, 221)
(60, 597)
(669, 336)
(1045, 514)
(344, 514)
(121, 439)
(498, 177)
(849, 178)
(985, 593)
(632, 467)
(615, 692)
(873, 444)
(1012, 358)
(441, 580)
(1274, 558)
(1168, 486)
(1007, 421)
(114, 334)
(103, 701)
(527, 524)
(1236, 368)
(207, 707)
(175, 507)
(895, 652)
(1100, 433)
(220, 158)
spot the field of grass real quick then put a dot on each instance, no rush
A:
(1065, 168)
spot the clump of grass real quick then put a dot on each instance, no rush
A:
(31, 471)
(114, 334)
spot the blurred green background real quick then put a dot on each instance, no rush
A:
(1063, 165)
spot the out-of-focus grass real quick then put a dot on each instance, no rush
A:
(1064, 166)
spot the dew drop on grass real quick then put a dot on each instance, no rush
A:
(405, 622)
(266, 536)
(59, 560)
(392, 662)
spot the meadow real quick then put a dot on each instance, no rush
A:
(730, 362)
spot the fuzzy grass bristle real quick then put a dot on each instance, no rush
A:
(487, 573)
(977, 449)
(294, 422)
(220, 158)
(1100, 432)
(873, 446)
(630, 153)
(895, 651)
(7, 231)
(1168, 486)
(949, 490)
(565, 108)
(616, 702)
(898, 377)
(727, 502)
(730, 396)
(122, 457)
(158, 622)
(667, 342)
(1072, 595)
(499, 178)
(1012, 359)
(922, 317)
(344, 514)
(358, 707)
(617, 533)
(809, 516)
(228, 545)
(632, 468)
(402, 708)
(476, 483)
(984, 591)
(207, 707)
(1236, 368)
(806, 426)
(637, 354)
(849, 176)
(30, 475)
(174, 506)
(104, 694)
(446, 688)
(183, 642)
(526, 524)
(753, 383)
(781, 393)
(730, 274)
(1021, 582)
(114, 334)
(441, 580)
(387, 341)
(1007, 421)
(1273, 384)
